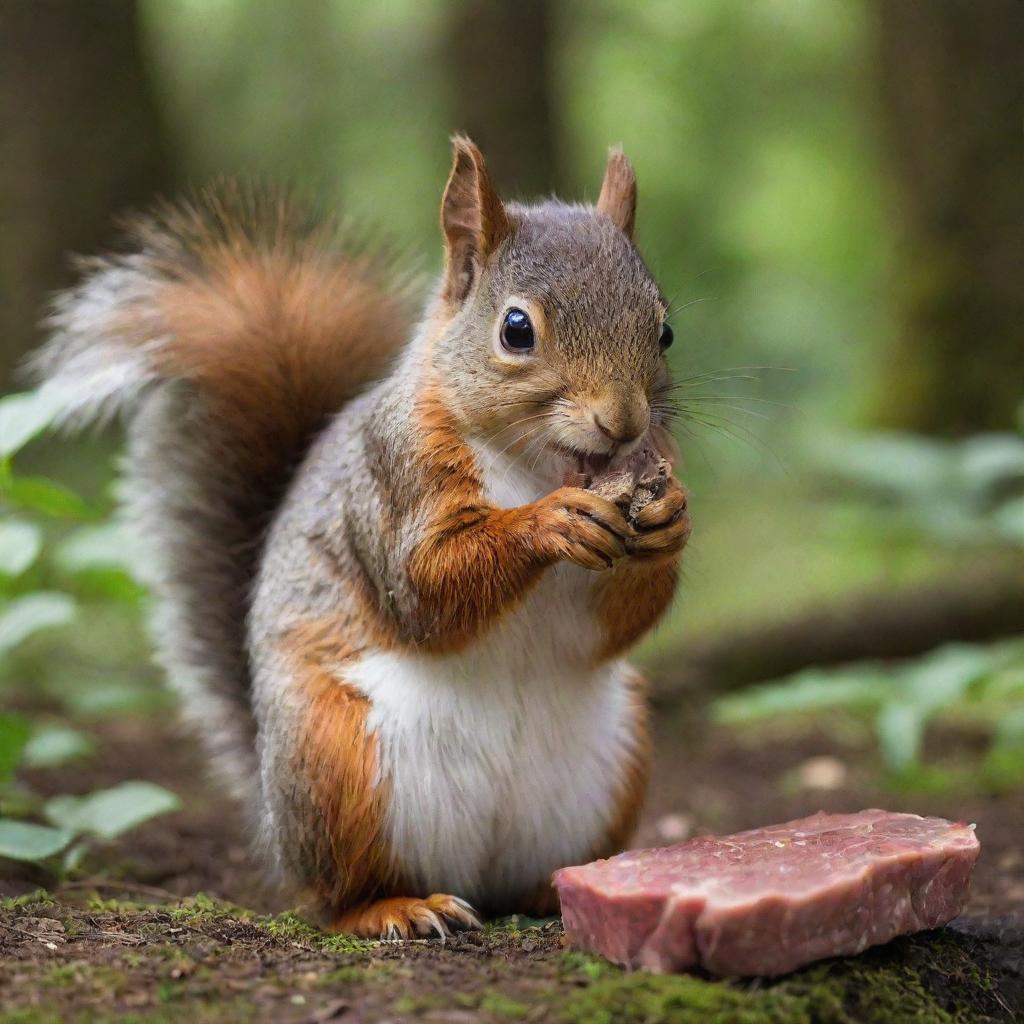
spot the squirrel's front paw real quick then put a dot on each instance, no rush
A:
(581, 527)
(405, 917)
(663, 525)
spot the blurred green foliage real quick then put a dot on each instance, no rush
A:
(46, 578)
(968, 493)
(764, 213)
(750, 124)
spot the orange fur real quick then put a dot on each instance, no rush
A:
(631, 597)
(635, 594)
(339, 759)
(269, 313)
(276, 343)
(475, 561)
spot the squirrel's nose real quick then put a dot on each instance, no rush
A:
(609, 433)
(622, 422)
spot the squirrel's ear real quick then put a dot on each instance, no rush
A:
(473, 219)
(618, 192)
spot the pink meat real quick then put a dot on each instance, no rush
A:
(772, 899)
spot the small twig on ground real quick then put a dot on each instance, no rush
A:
(29, 935)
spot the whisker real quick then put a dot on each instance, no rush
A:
(525, 419)
(729, 373)
(727, 398)
(692, 435)
(515, 423)
(736, 432)
(673, 309)
(736, 408)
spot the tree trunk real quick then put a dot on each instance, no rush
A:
(80, 140)
(500, 61)
(952, 77)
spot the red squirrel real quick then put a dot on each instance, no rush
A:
(397, 629)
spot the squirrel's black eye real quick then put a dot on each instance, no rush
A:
(517, 331)
(666, 338)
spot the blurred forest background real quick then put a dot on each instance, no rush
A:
(830, 192)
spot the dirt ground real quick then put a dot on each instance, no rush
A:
(132, 941)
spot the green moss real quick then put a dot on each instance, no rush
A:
(612, 996)
(40, 896)
(291, 926)
(917, 980)
(199, 908)
(502, 1006)
(502, 926)
(60, 976)
(492, 1002)
(358, 974)
(412, 1005)
(104, 905)
(102, 981)
(195, 1011)
(515, 925)
(31, 1017)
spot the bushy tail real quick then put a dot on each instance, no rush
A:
(230, 331)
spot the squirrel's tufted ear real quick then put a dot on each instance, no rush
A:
(473, 219)
(618, 191)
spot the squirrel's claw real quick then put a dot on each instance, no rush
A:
(463, 915)
(403, 917)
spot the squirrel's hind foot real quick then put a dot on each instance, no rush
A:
(405, 917)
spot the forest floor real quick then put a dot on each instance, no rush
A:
(157, 932)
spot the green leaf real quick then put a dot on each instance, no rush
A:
(900, 729)
(945, 676)
(901, 464)
(812, 690)
(1009, 520)
(103, 546)
(24, 416)
(14, 734)
(1010, 730)
(38, 494)
(20, 840)
(115, 584)
(96, 700)
(74, 856)
(55, 745)
(26, 615)
(1004, 764)
(110, 812)
(20, 544)
(989, 461)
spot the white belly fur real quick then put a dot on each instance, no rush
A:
(502, 761)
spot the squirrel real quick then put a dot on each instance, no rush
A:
(398, 630)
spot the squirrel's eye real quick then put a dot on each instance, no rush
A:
(667, 337)
(517, 331)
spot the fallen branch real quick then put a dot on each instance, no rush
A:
(872, 626)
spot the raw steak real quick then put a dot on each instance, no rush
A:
(773, 899)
